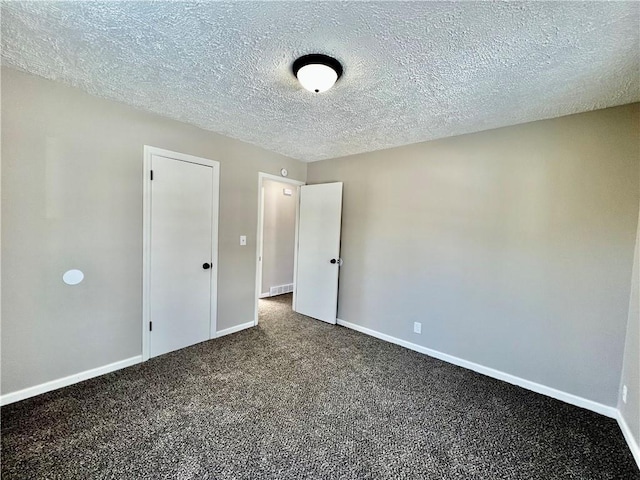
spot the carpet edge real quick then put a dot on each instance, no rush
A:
(566, 397)
(29, 392)
(628, 436)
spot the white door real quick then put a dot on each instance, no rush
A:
(182, 216)
(318, 261)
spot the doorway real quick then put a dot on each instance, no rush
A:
(180, 250)
(277, 237)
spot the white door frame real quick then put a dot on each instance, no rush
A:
(146, 238)
(259, 237)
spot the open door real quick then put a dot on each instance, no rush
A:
(318, 260)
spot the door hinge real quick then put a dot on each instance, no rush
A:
(151, 326)
(151, 174)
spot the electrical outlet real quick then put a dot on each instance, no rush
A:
(417, 327)
(624, 393)
(243, 239)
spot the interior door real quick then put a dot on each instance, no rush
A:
(181, 250)
(318, 260)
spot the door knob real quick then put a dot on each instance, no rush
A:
(333, 260)
(206, 266)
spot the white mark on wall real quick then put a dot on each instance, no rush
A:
(73, 277)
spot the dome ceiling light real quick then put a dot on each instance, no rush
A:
(316, 72)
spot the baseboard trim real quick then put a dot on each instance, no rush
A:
(264, 295)
(29, 392)
(23, 394)
(628, 436)
(237, 328)
(600, 408)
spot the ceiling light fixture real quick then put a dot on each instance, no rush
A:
(316, 72)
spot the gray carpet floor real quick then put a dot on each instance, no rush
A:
(298, 398)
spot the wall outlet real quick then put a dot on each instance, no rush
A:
(417, 327)
(624, 393)
(243, 239)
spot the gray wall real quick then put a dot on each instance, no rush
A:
(513, 247)
(278, 234)
(72, 197)
(631, 366)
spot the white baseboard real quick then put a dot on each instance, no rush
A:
(12, 397)
(66, 381)
(264, 295)
(237, 328)
(628, 436)
(600, 408)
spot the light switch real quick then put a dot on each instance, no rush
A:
(243, 239)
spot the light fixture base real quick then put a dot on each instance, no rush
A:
(315, 63)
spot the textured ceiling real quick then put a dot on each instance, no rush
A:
(414, 71)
